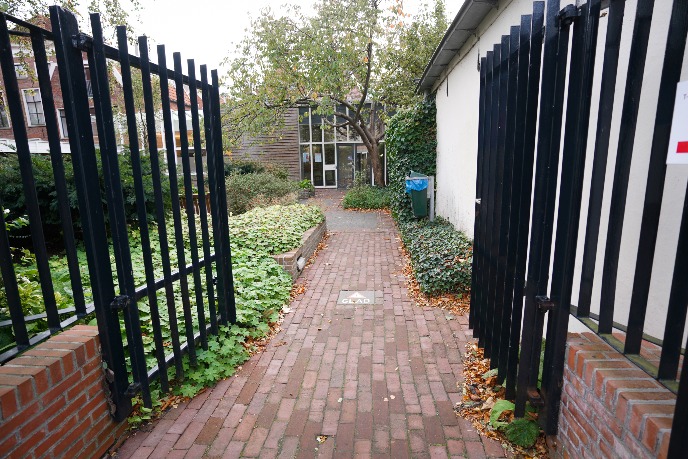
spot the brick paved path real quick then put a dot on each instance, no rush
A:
(378, 380)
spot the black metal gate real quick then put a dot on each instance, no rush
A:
(210, 290)
(523, 93)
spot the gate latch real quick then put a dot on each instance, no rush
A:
(544, 303)
(120, 302)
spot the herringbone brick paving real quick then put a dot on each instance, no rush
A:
(378, 380)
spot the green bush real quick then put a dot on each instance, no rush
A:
(275, 229)
(258, 189)
(242, 166)
(13, 198)
(411, 144)
(366, 197)
(441, 256)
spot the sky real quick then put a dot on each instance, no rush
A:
(208, 30)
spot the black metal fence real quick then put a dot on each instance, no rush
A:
(516, 248)
(203, 284)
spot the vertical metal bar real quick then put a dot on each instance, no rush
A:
(486, 178)
(570, 194)
(73, 85)
(159, 206)
(504, 310)
(9, 278)
(654, 190)
(475, 268)
(226, 255)
(512, 185)
(176, 210)
(190, 211)
(130, 111)
(678, 443)
(115, 203)
(599, 165)
(531, 113)
(489, 197)
(552, 98)
(212, 181)
(21, 139)
(492, 339)
(195, 126)
(678, 305)
(622, 169)
(41, 61)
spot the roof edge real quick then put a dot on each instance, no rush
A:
(470, 12)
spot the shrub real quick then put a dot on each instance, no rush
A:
(275, 229)
(411, 144)
(242, 166)
(366, 197)
(441, 256)
(258, 189)
(13, 198)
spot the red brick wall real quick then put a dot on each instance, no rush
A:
(610, 408)
(52, 402)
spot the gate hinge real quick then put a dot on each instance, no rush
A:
(133, 389)
(568, 15)
(120, 302)
(544, 303)
(82, 41)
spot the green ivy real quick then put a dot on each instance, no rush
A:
(411, 144)
(441, 256)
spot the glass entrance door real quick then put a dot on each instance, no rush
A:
(330, 166)
(345, 166)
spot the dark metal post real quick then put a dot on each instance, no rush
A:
(654, 190)
(130, 111)
(535, 61)
(73, 84)
(28, 183)
(115, 201)
(622, 168)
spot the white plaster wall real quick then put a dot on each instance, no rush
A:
(457, 97)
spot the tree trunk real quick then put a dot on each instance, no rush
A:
(376, 162)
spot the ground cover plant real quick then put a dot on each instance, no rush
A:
(441, 256)
(262, 288)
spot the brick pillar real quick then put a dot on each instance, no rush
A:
(52, 401)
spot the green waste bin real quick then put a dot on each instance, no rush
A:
(417, 187)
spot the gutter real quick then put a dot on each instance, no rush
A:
(467, 20)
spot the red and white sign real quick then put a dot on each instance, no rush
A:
(678, 142)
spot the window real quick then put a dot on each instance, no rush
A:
(63, 122)
(22, 71)
(89, 87)
(34, 107)
(4, 119)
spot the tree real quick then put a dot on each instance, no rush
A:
(113, 12)
(352, 61)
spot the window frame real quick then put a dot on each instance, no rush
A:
(3, 109)
(64, 133)
(38, 104)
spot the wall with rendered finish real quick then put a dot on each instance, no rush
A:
(457, 94)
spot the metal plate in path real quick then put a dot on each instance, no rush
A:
(356, 297)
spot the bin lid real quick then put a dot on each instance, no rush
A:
(416, 183)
